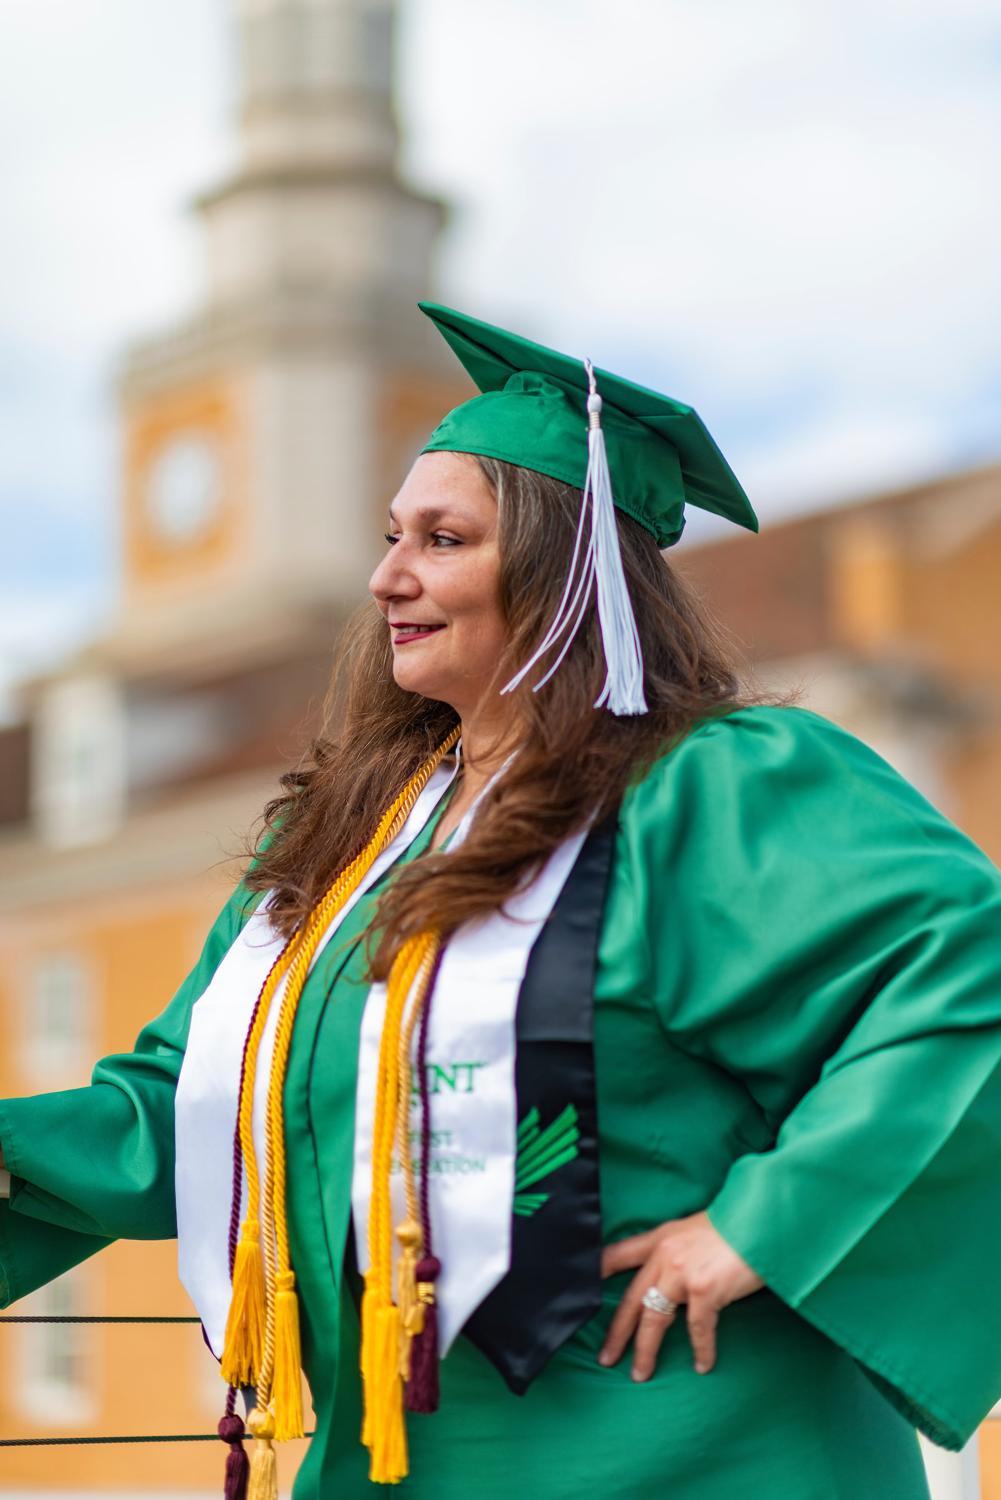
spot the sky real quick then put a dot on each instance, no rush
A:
(784, 212)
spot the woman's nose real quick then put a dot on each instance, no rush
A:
(392, 578)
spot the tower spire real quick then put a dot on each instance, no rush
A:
(315, 84)
(315, 205)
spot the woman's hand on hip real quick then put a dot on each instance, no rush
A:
(688, 1261)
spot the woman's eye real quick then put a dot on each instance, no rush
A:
(438, 539)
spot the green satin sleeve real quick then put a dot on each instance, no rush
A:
(95, 1164)
(820, 932)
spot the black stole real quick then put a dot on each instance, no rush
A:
(553, 1285)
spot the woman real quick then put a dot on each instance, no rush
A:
(694, 1004)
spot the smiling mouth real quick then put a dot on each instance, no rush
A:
(402, 634)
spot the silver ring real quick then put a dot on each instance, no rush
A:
(655, 1300)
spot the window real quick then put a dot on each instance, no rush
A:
(58, 1016)
(78, 752)
(57, 1359)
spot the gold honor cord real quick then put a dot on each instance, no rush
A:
(409, 1232)
(388, 1328)
(262, 1342)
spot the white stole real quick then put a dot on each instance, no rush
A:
(471, 1061)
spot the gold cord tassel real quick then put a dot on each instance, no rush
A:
(246, 1323)
(244, 1341)
(288, 1361)
(389, 1449)
(411, 1309)
(263, 1481)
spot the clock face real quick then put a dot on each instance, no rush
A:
(183, 490)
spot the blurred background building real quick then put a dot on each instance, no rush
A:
(261, 439)
(886, 615)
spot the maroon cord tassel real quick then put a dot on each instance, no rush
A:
(422, 1393)
(237, 1463)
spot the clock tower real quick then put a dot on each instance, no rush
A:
(264, 436)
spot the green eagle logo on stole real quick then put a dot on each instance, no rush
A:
(540, 1153)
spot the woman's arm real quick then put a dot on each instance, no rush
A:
(95, 1164)
(824, 935)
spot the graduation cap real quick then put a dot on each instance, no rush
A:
(645, 454)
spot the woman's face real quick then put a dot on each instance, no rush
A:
(438, 586)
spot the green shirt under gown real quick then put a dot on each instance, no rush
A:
(797, 1027)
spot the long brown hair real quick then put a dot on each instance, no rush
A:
(573, 759)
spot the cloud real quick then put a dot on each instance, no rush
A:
(777, 185)
(786, 214)
(111, 117)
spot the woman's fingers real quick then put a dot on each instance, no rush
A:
(626, 1255)
(703, 1317)
(632, 1318)
(623, 1323)
(649, 1337)
(689, 1261)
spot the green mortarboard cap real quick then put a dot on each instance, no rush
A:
(533, 412)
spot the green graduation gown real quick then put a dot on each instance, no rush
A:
(797, 1028)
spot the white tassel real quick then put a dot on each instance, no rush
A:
(601, 564)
